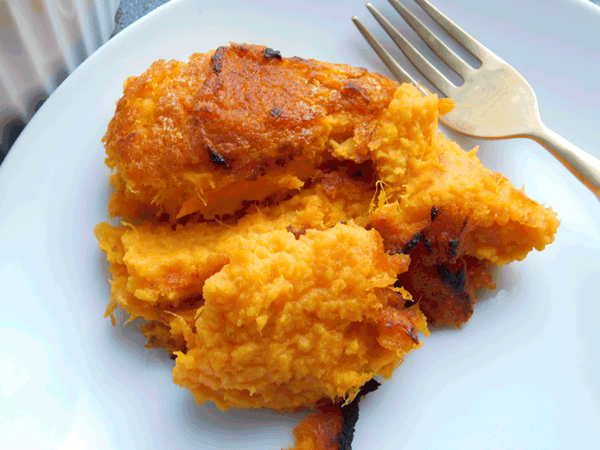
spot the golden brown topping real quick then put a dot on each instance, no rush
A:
(270, 121)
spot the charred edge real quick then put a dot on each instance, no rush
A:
(261, 169)
(270, 53)
(453, 245)
(296, 231)
(456, 280)
(217, 159)
(218, 54)
(350, 415)
(368, 387)
(413, 242)
(275, 112)
(407, 303)
(216, 59)
(434, 212)
(240, 47)
(427, 245)
(411, 334)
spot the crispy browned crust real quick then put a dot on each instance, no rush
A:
(446, 292)
(333, 425)
(234, 125)
(442, 278)
(320, 430)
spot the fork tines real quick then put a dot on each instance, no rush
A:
(444, 52)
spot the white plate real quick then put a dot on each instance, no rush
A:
(523, 373)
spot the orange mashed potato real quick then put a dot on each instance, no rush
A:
(259, 317)
(290, 226)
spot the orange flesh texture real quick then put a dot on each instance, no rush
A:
(188, 137)
(281, 329)
(198, 154)
(421, 169)
(156, 267)
(277, 326)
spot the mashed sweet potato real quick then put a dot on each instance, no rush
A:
(304, 316)
(291, 225)
(290, 321)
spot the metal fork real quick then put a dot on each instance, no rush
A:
(494, 102)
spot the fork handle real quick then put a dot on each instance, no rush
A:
(583, 165)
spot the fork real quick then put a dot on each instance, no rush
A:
(494, 102)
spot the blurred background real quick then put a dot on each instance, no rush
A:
(43, 41)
